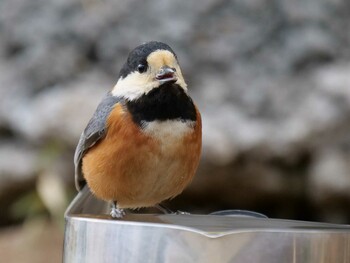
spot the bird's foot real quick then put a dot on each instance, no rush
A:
(178, 212)
(168, 211)
(117, 212)
(164, 209)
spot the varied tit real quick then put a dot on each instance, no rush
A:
(143, 143)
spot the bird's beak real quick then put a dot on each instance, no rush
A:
(166, 74)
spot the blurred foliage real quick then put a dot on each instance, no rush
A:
(28, 206)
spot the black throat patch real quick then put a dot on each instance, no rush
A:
(167, 102)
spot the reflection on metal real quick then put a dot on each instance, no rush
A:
(239, 213)
(92, 236)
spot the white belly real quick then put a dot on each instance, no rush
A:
(169, 132)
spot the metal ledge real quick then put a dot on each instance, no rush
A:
(92, 236)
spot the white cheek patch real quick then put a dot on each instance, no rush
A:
(134, 86)
(168, 132)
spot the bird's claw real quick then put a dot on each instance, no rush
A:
(178, 212)
(117, 213)
(168, 211)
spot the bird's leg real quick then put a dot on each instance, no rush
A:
(178, 212)
(116, 212)
(164, 209)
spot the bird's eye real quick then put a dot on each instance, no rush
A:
(141, 68)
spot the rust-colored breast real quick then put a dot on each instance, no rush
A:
(137, 169)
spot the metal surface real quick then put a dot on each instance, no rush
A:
(91, 236)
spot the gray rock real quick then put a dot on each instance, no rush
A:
(18, 166)
(60, 112)
(329, 184)
(329, 175)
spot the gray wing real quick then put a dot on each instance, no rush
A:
(94, 131)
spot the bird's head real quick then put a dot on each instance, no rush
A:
(148, 66)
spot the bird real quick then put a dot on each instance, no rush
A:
(143, 143)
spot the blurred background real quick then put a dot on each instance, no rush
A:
(271, 78)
